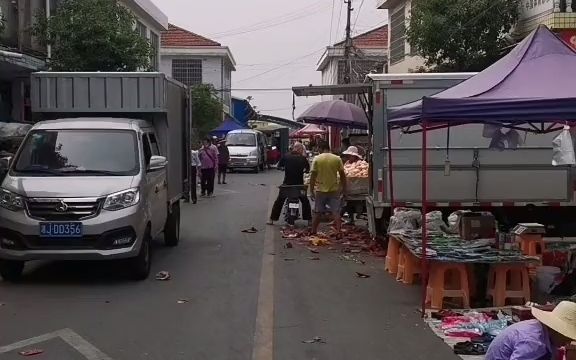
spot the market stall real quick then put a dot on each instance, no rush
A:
(531, 89)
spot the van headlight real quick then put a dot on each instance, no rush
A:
(122, 199)
(11, 201)
(253, 154)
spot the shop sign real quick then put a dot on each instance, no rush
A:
(531, 8)
(569, 37)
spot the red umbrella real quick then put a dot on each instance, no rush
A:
(307, 131)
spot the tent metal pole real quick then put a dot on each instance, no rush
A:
(424, 261)
(390, 174)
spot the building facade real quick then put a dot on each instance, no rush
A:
(369, 54)
(558, 15)
(193, 59)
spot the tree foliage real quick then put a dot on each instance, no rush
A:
(461, 35)
(206, 109)
(94, 35)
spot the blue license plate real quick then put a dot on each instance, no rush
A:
(61, 230)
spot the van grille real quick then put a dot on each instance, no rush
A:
(63, 209)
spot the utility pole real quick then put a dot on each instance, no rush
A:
(348, 43)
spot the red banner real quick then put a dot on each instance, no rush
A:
(569, 36)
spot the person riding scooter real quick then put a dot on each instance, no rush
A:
(294, 164)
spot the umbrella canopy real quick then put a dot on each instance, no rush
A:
(226, 126)
(336, 113)
(308, 131)
(533, 83)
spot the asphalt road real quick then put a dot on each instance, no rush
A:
(232, 296)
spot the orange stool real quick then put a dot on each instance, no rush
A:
(531, 244)
(438, 288)
(408, 266)
(508, 282)
(392, 255)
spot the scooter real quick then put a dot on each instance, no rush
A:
(292, 203)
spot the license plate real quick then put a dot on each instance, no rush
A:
(294, 206)
(61, 230)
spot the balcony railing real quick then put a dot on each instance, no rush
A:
(564, 6)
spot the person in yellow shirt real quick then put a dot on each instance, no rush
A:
(327, 191)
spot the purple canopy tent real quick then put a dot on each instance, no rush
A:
(532, 85)
(338, 113)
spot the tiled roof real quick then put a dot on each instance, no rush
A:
(373, 39)
(176, 37)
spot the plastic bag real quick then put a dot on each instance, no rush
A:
(434, 222)
(563, 149)
(454, 219)
(405, 219)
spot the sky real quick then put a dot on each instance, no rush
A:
(276, 44)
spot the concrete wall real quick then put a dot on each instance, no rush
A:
(214, 72)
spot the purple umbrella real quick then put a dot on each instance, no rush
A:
(335, 113)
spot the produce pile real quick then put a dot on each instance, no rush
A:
(359, 169)
(352, 239)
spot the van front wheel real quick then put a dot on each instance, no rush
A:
(172, 227)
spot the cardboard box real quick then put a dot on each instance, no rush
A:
(477, 225)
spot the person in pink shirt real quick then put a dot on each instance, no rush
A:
(208, 165)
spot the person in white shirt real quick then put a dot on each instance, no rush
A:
(194, 165)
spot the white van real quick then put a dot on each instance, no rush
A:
(247, 149)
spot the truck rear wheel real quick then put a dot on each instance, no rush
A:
(172, 227)
(11, 270)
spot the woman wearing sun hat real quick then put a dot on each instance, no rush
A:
(537, 339)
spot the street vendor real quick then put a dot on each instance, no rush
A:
(350, 156)
(537, 339)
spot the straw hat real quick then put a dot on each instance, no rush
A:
(353, 151)
(562, 319)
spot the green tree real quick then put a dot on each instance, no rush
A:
(461, 35)
(94, 35)
(206, 109)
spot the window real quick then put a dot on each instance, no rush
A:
(187, 71)
(154, 144)
(397, 35)
(67, 152)
(141, 28)
(154, 43)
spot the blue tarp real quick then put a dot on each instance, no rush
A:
(226, 126)
(535, 82)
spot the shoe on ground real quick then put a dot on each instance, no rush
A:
(270, 222)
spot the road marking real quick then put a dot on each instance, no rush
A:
(79, 344)
(264, 332)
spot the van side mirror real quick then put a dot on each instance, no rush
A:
(157, 163)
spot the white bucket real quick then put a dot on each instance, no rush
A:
(545, 277)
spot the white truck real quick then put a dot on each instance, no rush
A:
(100, 175)
(463, 172)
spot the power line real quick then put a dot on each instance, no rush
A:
(254, 89)
(271, 23)
(332, 21)
(280, 66)
(358, 14)
(339, 16)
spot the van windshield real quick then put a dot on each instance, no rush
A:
(241, 139)
(79, 152)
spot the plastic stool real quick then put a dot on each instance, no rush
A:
(508, 282)
(408, 266)
(438, 289)
(392, 255)
(532, 245)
